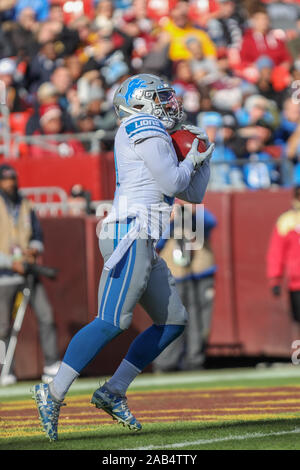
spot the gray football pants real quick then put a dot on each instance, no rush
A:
(140, 277)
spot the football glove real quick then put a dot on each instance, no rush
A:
(198, 158)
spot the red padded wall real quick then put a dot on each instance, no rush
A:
(263, 322)
(223, 331)
(64, 249)
(89, 170)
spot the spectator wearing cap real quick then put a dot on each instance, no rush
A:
(264, 83)
(225, 174)
(179, 30)
(21, 240)
(260, 40)
(21, 35)
(46, 95)
(211, 121)
(255, 107)
(50, 119)
(51, 124)
(40, 8)
(7, 71)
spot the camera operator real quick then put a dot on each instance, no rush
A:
(21, 241)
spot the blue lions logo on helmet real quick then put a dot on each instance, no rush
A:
(132, 86)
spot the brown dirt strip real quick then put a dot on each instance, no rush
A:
(165, 406)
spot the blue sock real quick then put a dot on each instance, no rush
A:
(149, 344)
(88, 342)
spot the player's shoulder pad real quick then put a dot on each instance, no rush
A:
(143, 127)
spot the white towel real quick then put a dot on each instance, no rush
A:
(123, 246)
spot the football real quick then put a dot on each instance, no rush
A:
(182, 142)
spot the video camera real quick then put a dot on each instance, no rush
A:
(39, 270)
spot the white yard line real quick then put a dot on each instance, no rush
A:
(148, 380)
(199, 442)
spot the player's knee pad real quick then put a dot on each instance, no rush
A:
(125, 320)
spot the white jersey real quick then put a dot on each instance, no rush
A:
(148, 177)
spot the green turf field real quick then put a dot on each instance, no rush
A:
(228, 409)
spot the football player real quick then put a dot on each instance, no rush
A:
(148, 178)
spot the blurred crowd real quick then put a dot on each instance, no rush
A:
(235, 65)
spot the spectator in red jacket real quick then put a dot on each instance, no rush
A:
(260, 40)
(284, 254)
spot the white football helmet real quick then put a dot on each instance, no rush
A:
(146, 93)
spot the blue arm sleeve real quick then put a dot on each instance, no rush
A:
(195, 191)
